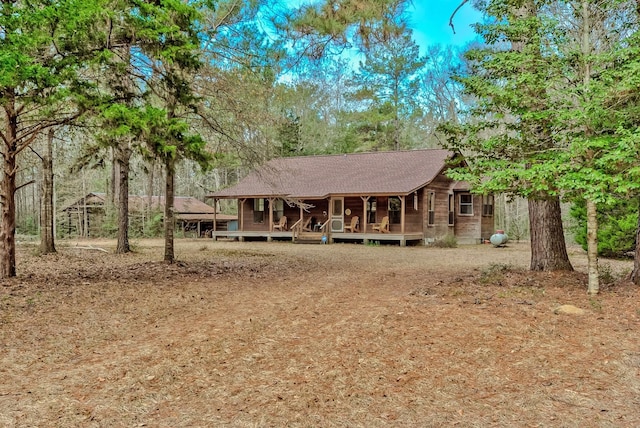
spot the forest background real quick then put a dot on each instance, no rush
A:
(134, 97)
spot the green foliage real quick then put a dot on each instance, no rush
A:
(168, 138)
(617, 226)
(510, 142)
(154, 226)
(109, 225)
(448, 241)
(28, 226)
(335, 24)
(387, 86)
(606, 275)
(289, 135)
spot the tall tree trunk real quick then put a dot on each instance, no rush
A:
(123, 155)
(592, 247)
(8, 191)
(592, 211)
(548, 247)
(111, 192)
(149, 203)
(169, 221)
(8, 231)
(47, 232)
(635, 273)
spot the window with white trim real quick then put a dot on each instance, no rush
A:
(258, 210)
(371, 210)
(487, 205)
(431, 208)
(395, 208)
(465, 204)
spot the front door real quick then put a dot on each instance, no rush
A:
(337, 215)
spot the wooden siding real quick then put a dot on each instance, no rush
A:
(467, 227)
(245, 217)
(414, 218)
(440, 186)
(488, 227)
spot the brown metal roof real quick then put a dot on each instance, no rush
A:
(316, 177)
(181, 204)
(206, 217)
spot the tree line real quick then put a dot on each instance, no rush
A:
(156, 83)
(555, 114)
(543, 105)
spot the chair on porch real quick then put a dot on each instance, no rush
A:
(354, 226)
(282, 224)
(383, 226)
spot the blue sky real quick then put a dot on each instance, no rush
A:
(430, 22)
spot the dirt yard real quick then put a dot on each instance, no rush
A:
(273, 335)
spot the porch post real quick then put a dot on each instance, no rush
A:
(403, 207)
(365, 199)
(328, 231)
(241, 228)
(296, 233)
(270, 214)
(269, 237)
(215, 210)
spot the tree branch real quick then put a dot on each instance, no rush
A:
(24, 184)
(454, 14)
(35, 153)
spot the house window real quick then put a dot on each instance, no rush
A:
(487, 205)
(452, 212)
(395, 207)
(466, 204)
(371, 210)
(258, 210)
(431, 208)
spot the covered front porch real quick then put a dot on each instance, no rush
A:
(337, 218)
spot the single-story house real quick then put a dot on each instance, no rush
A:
(401, 196)
(192, 215)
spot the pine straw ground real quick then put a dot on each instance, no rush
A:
(258, 334)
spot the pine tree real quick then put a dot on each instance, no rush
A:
(46, 49)
(387, 83)
(511, 132)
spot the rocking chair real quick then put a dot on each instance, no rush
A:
(282, 224)
(383, 226)
(354, 226)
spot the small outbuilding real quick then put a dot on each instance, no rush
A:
(87, 215)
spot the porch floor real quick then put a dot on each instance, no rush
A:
(400, 238)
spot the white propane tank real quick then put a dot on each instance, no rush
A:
(499, 238)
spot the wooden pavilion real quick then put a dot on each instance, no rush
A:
(87, 215)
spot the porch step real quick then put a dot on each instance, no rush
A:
(309, 238)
